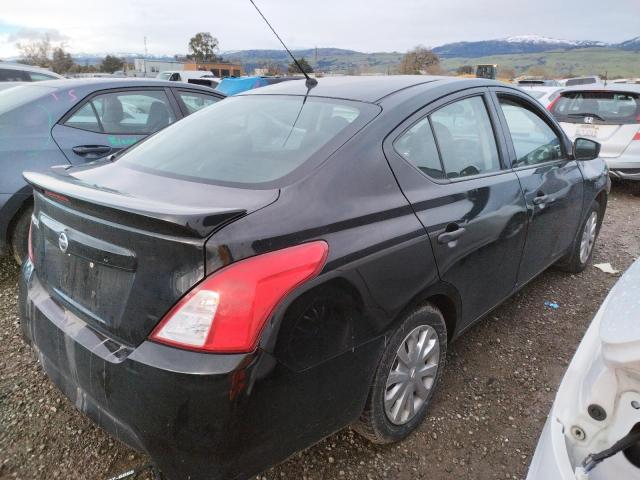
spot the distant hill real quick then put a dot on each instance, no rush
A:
(615, 62)
(511, 45)
(324, 59)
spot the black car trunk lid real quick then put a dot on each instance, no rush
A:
(120, 261)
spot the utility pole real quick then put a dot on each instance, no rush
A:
(145, 56)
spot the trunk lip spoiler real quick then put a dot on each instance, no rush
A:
(199, 221)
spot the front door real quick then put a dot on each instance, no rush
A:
(448, 163)
(551, 181)
(108, 122)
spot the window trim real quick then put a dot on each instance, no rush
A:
(440, 103)
(177, 113)
(540, 111)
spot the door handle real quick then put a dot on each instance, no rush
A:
(91, 150)
(540, 199)
(451, 236)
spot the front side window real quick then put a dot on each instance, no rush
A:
(195, 101)
(533, 139)
(465, 138)
(131, 112)
(247, 140)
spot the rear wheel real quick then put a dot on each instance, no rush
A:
(20, 235)
(406, 377)
(585, 241)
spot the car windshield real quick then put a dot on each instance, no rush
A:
(606, 107)
(15, 97)
(247, 139)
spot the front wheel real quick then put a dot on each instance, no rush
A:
(584, 243)
(406, 377)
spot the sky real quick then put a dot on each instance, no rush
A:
(87, 26)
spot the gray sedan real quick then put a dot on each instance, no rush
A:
(75, 122)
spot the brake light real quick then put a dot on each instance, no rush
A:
(226, 312)
(30, 242)
(551, 105)
(637, 136)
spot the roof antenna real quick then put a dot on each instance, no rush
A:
(310, 82)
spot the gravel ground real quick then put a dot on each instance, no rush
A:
(484, 422)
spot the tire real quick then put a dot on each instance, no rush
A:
(578, 260)
(379, 424)
(20, 235)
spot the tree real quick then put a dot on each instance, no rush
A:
(293, 68)
(203, 48)
(110, 64)
(465, 70)
(62, 61)
(418, 61)
(36, 52)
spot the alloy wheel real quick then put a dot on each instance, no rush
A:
(588, 237)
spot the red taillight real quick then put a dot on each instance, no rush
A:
(227, 311)
(30, 242)
(637, 136)
(551, 105)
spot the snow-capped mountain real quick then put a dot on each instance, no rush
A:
(514, 44)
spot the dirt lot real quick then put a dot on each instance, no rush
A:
(484, 423)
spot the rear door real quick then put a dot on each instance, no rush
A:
(448, 159)
(551, 181)
(109, 121)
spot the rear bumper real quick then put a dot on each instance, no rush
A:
(199, 416)
(627, 165)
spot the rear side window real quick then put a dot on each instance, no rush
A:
(533, 139)
(455, 141)
(418, 146)
(246, 139)
(11, 75)
(465, 138)
(195, 101)
(131, 112)
(599, 107)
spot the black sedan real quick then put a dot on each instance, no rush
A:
(73, 122)
(292, 261)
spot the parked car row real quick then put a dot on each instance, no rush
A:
(75, 122)
(289, 261)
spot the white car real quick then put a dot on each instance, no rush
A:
(16, 72)
(544, 94)
(186, 75)
(593, 430)
(609, 115)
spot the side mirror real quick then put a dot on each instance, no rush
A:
(585, 149)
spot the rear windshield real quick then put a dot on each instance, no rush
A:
(580, 81)
(597, 107)
(248, 139)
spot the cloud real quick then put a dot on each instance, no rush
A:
(28, 34)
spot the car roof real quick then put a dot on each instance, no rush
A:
(599, 87)
(360, 88)
(27, 68)
(119, 82)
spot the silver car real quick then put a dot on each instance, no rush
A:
(609, 115)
